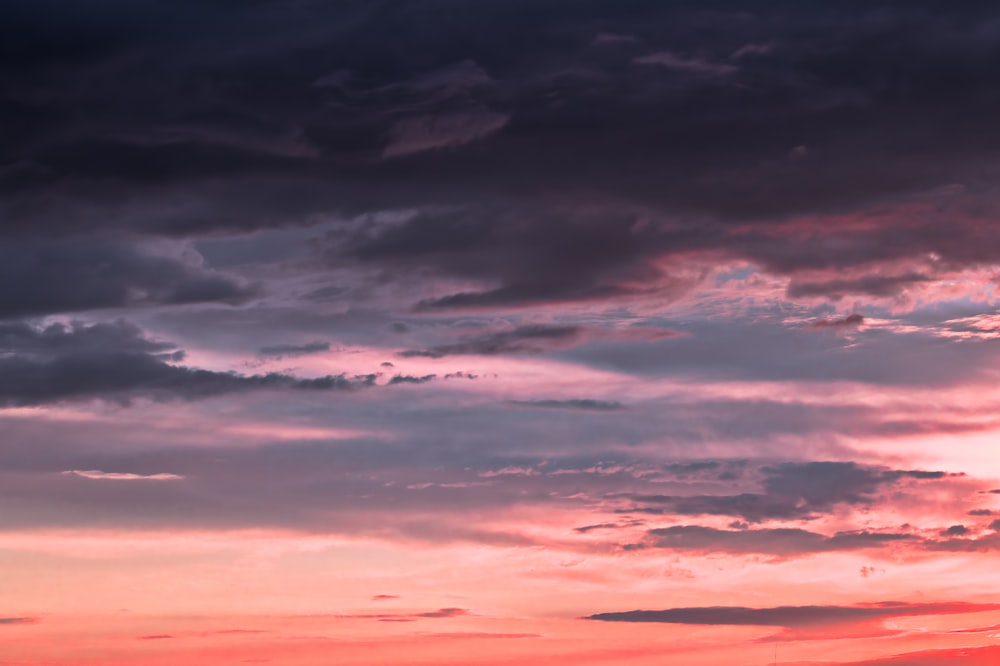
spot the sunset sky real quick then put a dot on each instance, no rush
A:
(499, 332)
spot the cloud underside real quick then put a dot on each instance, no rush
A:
(790, 616)
(114, 361)
(800, 491)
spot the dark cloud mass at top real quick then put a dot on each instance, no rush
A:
(560, 170)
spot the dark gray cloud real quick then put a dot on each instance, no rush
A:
(585, 404)
(790, 616)
(80, 274)
(770, 351)
(791, 491)
(18, 620)
(607, 526)
(849, 321)
(780, 542)
(115, 362)
(227, 117)
(527, 339)
(873, 285)
(410, 379)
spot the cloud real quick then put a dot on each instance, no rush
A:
(750, 50)
(527, 339)
(724, 168)
(584, 404)
(477, 635)
(850, 321)
(872, 285)
(791, 616)
(445, 612)
(123, 476)
(794, 490)
(741, 349)
(695, 65)
(781, 542)
(607, 526)
(423, 133)
(117, 362)
(9, 621)
(66, 276)
(441, 613)
(726, 189)
(409, 379)
(955, 530)
(967, 656)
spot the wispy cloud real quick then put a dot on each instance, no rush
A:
(123, 476)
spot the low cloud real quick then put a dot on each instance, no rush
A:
(790, 616)
(780, 542)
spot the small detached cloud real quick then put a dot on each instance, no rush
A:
(123, 476)
(850, 321)
(441, 613)
(955, 530)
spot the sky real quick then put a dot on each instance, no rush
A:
(496, 332)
